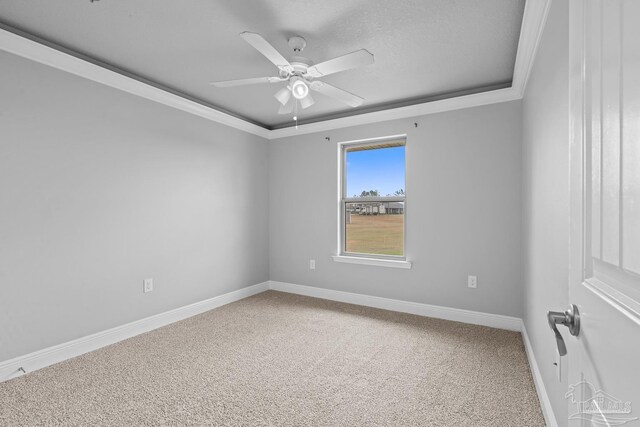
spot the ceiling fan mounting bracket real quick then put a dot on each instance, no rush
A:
(297, 43)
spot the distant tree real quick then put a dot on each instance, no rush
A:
(399, 192)
(370, 193)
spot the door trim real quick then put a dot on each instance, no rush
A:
(543, 397)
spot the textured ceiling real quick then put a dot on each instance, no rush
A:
(422, 48)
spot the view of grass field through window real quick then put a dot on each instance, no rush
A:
(375, 226)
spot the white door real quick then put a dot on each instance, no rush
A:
(604, 359)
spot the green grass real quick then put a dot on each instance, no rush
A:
(375, 234)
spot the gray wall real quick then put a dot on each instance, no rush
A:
(100, 189)
(463, 188)
(546, 195)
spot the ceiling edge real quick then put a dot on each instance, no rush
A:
(533, 21)
(38, 52)
(449, 104)
(393, 105)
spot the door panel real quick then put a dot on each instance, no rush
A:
(630, 136)
(604, 376)
(608, 74)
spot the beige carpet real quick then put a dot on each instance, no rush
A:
(281, 359)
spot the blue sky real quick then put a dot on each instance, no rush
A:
(381, 169)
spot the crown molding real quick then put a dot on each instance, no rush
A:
(533, 21)
(449, 104)
(38, 52)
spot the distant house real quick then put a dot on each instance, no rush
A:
(368, 208)
(394, 207)
(377, 208)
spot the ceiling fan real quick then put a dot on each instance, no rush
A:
(300, 73)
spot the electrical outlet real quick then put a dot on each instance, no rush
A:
(472, 282)
(312, 264)
(147, 285)
(558, 364)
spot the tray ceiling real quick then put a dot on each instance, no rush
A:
(424, 49)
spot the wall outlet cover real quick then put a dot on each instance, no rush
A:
(472, 282)
(147, 285)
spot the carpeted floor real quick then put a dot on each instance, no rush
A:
(282, 359)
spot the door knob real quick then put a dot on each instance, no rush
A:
(569, 318)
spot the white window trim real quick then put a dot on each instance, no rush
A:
(379, 262)
(393, 261)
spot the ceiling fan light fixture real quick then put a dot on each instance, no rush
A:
(283, 95)
(299, 88)
(307, 101)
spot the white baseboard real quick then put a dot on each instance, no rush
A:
(439, 312)
(48, 356)
(447, 313)
(545, 403)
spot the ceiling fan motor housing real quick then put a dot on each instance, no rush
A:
(300, 65)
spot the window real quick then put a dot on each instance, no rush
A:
(372, 199)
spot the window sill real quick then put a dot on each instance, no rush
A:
(372, 261)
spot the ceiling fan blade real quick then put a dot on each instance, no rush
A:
(252, 81)
(337, 93)
(287, 108)
(307, 101)
(265, 48)
(351, 60)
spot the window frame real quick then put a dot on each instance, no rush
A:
(370, 259)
